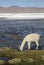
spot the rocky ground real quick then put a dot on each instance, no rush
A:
(9, 56)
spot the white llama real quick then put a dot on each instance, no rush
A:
(30, 38)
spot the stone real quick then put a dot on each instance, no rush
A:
(14, 61)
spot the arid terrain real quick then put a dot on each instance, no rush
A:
(17, 9)
(9, 56)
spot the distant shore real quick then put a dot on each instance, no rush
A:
(21, 15)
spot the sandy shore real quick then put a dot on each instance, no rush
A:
(21, 15)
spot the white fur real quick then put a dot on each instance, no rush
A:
(30, 38)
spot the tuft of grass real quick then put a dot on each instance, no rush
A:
(14, 61)
(2, 62)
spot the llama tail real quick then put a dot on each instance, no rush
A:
(22, 44)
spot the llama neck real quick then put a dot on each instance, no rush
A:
(22, 44)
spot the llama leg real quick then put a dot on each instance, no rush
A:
(28, 45)
(37, 45)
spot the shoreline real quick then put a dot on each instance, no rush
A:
(21, 16)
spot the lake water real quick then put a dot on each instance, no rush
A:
(10, 28)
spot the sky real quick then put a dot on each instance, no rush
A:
(22, 3)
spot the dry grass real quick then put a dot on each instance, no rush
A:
(32, 57)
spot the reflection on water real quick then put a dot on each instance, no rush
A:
(4, 58)
(12, 32)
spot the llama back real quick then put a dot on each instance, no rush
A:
(32, 37)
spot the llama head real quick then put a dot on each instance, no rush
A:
(20, 48)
